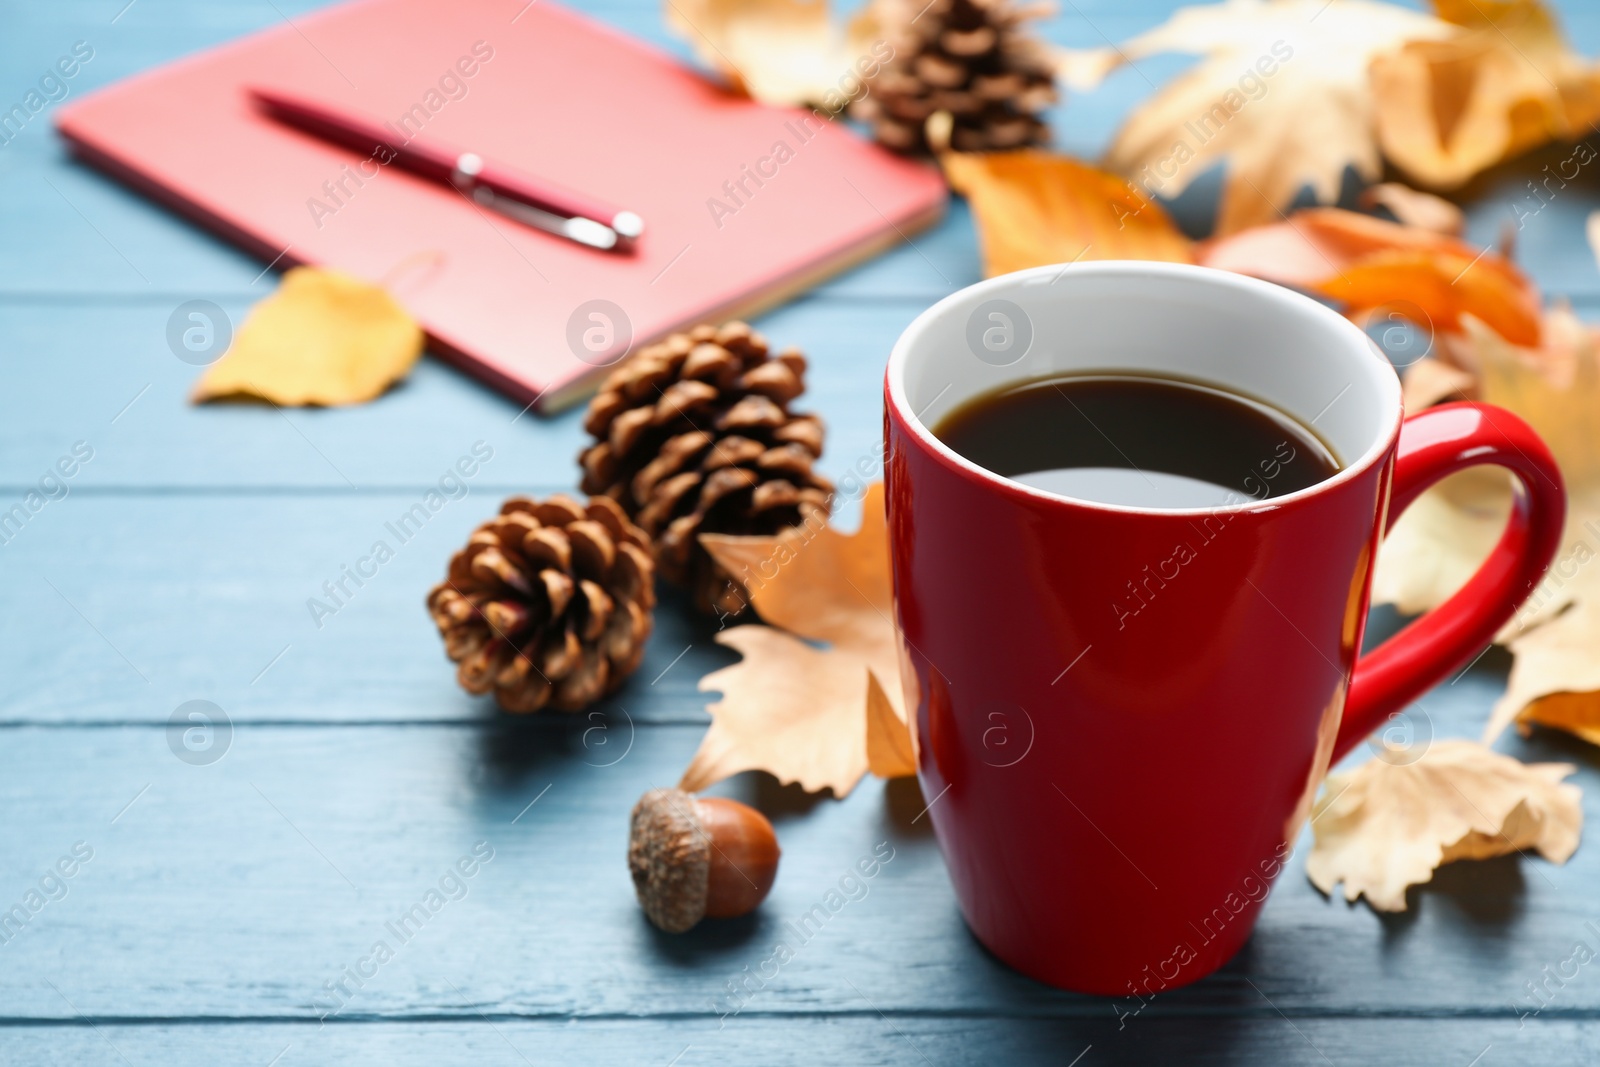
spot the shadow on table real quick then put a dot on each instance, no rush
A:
(1485, 892)
(710, 941)
(516, 749)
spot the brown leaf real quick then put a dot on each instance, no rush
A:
(1282, 94)
(1440, 540)
(783, 51)
(1432, 381)
(1411, 207)
(1034, 207)
(323, 338)
(891, 753)
(788, 708)
(1369, 263)
(1447, 108)
(1388, 825)
(1576, 713)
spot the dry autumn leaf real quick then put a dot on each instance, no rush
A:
(1438, 542)
(891, 752)
(1448, 108)
(1034, 207)
(789, 708)
(323, 338)
(1388, 825)
(1411, 207)
(784, 51)
(1282, 93)
(1431, 381)
(1369, 264)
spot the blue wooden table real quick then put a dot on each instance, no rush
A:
(226, 912)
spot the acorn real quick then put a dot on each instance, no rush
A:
(693, 857)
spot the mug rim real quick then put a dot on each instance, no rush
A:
(1186, 273)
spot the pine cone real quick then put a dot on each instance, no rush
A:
(973, 59)
(693, 435)
(549, 603)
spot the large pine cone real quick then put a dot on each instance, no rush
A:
(548, 604)
(971, 58)
(693, 435)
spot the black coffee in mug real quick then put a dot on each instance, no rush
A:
(1138, 440)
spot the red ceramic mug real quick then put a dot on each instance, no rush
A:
(1123, 715)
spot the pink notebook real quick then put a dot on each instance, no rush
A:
(745, 204)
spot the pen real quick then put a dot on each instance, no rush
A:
(498, 188)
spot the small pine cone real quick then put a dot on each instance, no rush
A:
(974, 59)
(694, 435)
(548, 604)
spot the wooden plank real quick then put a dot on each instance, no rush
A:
(112, 382)
(240, 889)
(866, 1039)
(184, 556)
(136, 603)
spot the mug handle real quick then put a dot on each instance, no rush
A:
(1434, 444)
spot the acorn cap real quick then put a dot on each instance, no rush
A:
(669, 856)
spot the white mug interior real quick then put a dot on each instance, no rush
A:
(1247, 336)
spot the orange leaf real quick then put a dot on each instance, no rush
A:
(890, 750)
(1446, 286)
(1370, 263)
(1035, 208)
(789, 708)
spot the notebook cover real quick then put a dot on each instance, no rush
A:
(744, 204)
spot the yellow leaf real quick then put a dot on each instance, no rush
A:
(890, 750)
(1034, 208)
(783, 51)
(1448, 108)
(1282, 94)
(789, 708)
(322, 338)
(1388, 825)
(1440, 540)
